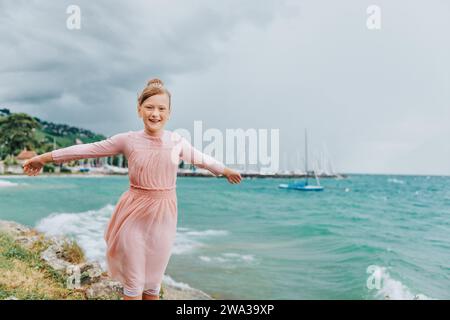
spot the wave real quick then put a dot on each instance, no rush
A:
(393, 180)
(188, 239)
(88, 227)
(184, 244)
(389, 288)
(181, 285)
(6, 184)
(229, 258)
(207, 233)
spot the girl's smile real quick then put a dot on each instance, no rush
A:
(155, 112)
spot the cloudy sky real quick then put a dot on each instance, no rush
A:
(375, 101)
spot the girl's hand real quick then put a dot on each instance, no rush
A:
(33, 166)
(233, 177)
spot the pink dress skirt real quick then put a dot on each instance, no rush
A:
(142, 229)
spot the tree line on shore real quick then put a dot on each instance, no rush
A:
(19, 131)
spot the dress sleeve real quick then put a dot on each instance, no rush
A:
(108, 147)
(199, 159)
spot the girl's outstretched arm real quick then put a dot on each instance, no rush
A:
(33, 166)
(105, 148)
(108, 147)
(199, 159)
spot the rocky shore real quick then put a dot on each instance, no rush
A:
(60, 263)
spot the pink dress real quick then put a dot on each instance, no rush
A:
(142, 228)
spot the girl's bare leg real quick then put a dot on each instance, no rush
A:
(125, 297)
(151, 294)
(131, 294)
(150, 297)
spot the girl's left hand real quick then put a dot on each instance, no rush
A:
(233, 177)
(33, 166)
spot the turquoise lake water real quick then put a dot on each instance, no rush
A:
(364, 237)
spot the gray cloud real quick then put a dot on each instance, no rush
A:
(120, 45)
(376, 100)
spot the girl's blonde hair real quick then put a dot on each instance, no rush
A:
(154, 87)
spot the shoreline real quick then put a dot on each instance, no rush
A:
(244, 175)
(184, 174)
(98, 284)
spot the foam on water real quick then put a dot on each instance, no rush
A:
(393, 180)
(88, 228)
(184, 243)
(392, 289)
(167, 279)
(6, 184)
(188, 239)
(207, 233)
(229, 258)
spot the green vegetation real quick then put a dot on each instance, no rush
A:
(72, 252)
(24, 275)
(17, 132)
(20, 130)
(10, 160)
(49, 167)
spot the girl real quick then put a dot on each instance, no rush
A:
(142, 228)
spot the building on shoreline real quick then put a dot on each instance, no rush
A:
(13, 165)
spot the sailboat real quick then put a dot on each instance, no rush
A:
(304, 186)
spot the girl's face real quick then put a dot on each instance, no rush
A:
(155, 112)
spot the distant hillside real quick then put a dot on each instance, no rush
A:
(41, 136)
(4, 112)
(62, 134)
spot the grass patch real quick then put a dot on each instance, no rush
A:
(72, 252)
(161, 293)
(24, 275)
(16, 252)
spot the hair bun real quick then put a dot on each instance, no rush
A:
(155, 83)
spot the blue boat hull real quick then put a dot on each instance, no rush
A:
(300, 187)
